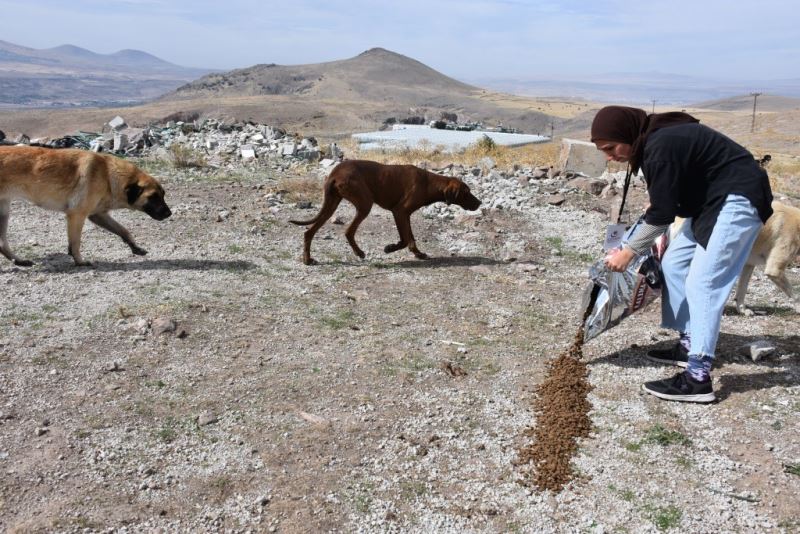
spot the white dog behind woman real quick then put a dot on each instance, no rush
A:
(694, 172)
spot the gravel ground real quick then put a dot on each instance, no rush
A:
(218, 384)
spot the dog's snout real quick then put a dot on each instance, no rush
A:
(473, 203)
(165, 213)
(157, 209)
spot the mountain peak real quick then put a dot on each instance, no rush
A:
(377, 51)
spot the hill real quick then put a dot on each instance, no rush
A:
(356, 93)
(330, 99)
(641, 88)
(376, 74)
(765, 102)
(68, 75)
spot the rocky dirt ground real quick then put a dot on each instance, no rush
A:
(218, 384)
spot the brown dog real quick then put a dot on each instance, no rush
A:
(79, 183)
(401, 189)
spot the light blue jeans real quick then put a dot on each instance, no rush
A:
(698, 281)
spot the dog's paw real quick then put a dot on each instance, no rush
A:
(138, 251)
(84, 264)
(744, 310)
(310, 261)
(23, 263)
(421, 255)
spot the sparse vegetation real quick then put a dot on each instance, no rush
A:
(664, 518)
(184, 157)
(341, 319)
(535, 155)
(659, 435)
(486, 145)
(792, 469)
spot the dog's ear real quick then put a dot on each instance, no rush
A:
(133, 192)
(451, 192)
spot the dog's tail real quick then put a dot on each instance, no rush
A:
(331, 197)
(305, 223)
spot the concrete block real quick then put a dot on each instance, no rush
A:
(120, 142)
(117, 123)
(581, 157)
(248, 152)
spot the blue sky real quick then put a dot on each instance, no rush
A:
(465, 39)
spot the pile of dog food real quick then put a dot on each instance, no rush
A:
(562, 417)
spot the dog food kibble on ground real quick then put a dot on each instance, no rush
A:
(562, 416)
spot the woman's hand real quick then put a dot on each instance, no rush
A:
(618, 259)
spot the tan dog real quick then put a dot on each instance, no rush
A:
(401, 189)
(776, 247)
(79, 183)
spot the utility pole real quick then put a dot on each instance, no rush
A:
(654, 105)
(753, 124)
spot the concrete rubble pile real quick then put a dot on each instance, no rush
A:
(515, 188)
(219, 143)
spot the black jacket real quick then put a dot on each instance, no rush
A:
(690, 170)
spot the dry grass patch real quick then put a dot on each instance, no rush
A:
(300, 188)
(784, 171)
(540, 154)
(184, 157)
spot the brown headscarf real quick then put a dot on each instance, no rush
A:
(632, 126)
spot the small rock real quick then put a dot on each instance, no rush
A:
(163, 324)
(758, 350)
(113, 367)
(206, 418)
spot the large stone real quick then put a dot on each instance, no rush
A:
(248, 152)
(581, 157)
(117, 123)
(120, 142)
(593, 186)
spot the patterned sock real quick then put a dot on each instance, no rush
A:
(700, 367)
(686, 341)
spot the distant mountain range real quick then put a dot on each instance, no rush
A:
(72, 76)
(336, 98)
(641, 88)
